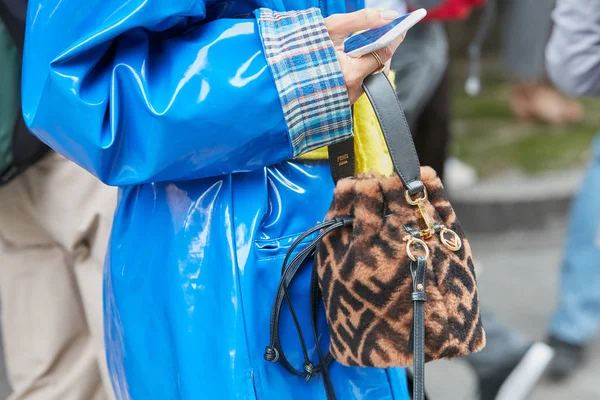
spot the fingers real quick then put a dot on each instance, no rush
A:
(340, 26)
(396, 43)
(354, 70)
(368, 64)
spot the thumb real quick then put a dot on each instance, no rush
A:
(340, 26)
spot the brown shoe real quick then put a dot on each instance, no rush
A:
(543, 103)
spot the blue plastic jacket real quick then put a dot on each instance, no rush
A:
(190, 126)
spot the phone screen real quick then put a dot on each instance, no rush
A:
(365, 38)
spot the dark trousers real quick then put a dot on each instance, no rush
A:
(431, 128)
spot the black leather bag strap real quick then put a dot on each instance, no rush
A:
(396, 133)
(395, 130)
(418, 269)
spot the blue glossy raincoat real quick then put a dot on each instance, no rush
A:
(173, 101)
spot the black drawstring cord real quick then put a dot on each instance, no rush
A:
(288, 273)
(274, 352)
(283, 268)
(315, 294)
(287, 277)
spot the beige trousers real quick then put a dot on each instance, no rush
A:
(54, 229)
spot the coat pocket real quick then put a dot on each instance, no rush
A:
(277, 248)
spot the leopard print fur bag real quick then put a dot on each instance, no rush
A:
(366, 281)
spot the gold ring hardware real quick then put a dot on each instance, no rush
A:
(454, 243)
(380, 63)
(411, 241)
(414, 202)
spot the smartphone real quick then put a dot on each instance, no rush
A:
(371, 40)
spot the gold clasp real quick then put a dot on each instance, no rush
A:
(429, 230)
(448, 237)
(414, 202)
(411, 241)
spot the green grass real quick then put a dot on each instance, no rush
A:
(488, 137)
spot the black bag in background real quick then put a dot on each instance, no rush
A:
(25, 148)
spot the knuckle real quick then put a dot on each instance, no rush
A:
(332, 23)
(386, 52)
(370, 14)
(329, 25)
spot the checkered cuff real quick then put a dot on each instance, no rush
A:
(308, 78)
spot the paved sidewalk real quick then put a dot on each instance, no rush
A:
(516, 201)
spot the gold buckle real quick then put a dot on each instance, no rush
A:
(411, 241)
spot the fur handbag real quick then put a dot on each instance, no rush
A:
(392, 264)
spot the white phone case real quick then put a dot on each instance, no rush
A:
(392, 35)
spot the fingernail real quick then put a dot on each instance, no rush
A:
(389, 14)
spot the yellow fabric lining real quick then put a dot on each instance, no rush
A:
(369, 145)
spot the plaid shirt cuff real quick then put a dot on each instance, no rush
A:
(308, 78)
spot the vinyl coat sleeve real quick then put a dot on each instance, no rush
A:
(159, 90)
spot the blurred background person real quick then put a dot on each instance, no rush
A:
(423, 87)
(573, 58)
(54, 227)
(526, 29)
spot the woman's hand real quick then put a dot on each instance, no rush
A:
(355, 70)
